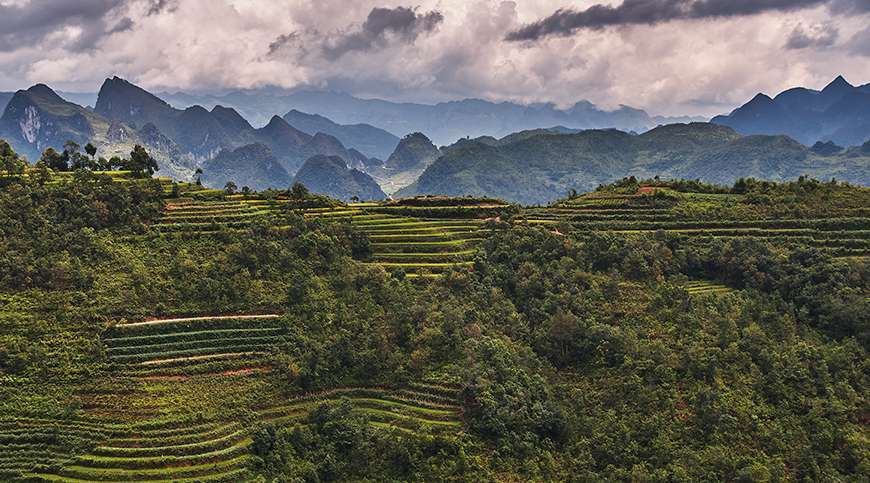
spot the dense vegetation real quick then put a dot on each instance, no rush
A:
(164, 333)
(540, 166)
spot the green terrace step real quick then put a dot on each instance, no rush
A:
(426, 237)
(222, 470)
(387, 220)
(437, 230)
(417, 227)
(423, 256)
(423, 246)
(152, 440)
(169, 449)
(134, 350)
(432, 266)
(240, 474)
(703, 287)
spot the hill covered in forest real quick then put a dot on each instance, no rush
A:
(541, 166)
(647, 330)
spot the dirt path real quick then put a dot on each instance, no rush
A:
(186, 319)
(228, 355)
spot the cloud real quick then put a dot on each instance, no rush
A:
(157, 7)
(33, 21)
(402, 23)
(859, 44)
(850, 6)
(689, 67)
(648, 12)
(819, 35)
(123, 25)
(283, 40)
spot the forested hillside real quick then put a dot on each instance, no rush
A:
(647, 330)
(543, 165)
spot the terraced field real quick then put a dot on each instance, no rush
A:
(192, 345)
(844, 234)
(190, 450)
(186, 216)
(421, 247)
(706, 287)
(132, 427)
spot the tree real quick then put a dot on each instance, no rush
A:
(74, 158)
(54, 160)
(230, 188)
(299, 192)
(9, 159)
(246, 190)
(91, 150)
(198, 174)
(141, 163)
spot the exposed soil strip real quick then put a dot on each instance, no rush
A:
(214, 317)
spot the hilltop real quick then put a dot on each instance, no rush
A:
(837, 113)
(540, 166)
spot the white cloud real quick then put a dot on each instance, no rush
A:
(677, 67)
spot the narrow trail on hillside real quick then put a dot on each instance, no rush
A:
(191, 319)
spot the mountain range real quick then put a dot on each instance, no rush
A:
(528, 166)
(219, 141)
(840, 113)
(544, 165)
(443, 122)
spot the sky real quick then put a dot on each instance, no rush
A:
(671, 57)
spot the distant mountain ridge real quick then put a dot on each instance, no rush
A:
(444, 122)
(840, 113)
(181, 140)
(329, 175)
(367, 139)
(544, 166)
(414, 153)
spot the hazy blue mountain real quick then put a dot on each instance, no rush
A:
(196, 130)
(253, 165)
(329, 175)
(37, 118)
(840, 113)
(5, 97)
(545, 166)
(412, 155)
(367, 139)
(204, 132)
(444, 122)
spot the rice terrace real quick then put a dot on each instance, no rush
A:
(278, 241)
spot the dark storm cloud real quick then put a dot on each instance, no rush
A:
(123, 25)
(649, 12)
(824, 35)
(281, 41)
(31, 22)
(850, 6)
(160, 6)
(401, 22)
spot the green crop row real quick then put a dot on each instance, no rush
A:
(116, 352)
(184, 449)
(190, 336)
